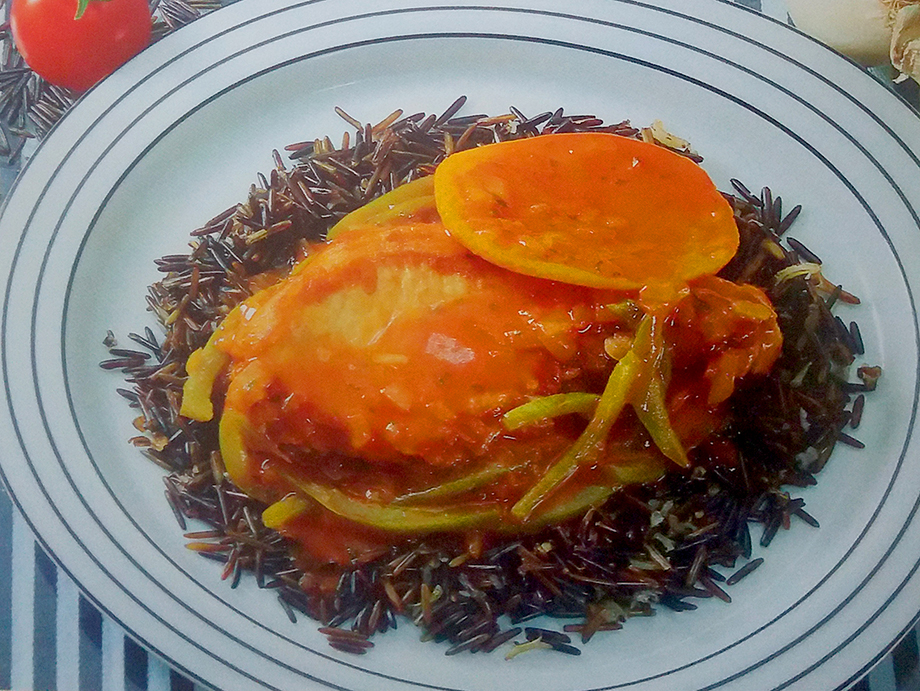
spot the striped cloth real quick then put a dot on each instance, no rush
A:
(52, 638)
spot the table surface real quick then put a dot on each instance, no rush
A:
(52, 638)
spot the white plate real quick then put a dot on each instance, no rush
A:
(178, 135)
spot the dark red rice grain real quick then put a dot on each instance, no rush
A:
(564, 648)
(744, 571)
(857, 412)
(803, 252)
(770, 530)
(713, 588)
(788, 219)
(807, 517)
(850, 441)
(286, 606)
(859, 347)
(347, 646)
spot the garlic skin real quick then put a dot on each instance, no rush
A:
(905, 41)
(860, 29)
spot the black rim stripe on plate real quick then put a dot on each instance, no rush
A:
(446, 36)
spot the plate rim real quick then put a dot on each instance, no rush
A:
(339, 48)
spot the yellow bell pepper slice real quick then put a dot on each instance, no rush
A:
(403, 201)
(452, 488)
(203, 366)
(593, 209)
(284, 510)
(394, 518)
(593, 495)
(232, 447)
(653, 414)
(547, 407)
(647, 470)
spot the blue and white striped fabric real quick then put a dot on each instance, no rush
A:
(52, 638)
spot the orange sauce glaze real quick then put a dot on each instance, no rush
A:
(383, 365)
(394, 347)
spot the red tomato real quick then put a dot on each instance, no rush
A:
(77, 53)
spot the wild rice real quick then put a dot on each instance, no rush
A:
(856, 340)
(656, 544)
(744, 571)
(857, 411)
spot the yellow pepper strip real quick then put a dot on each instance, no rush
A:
(617, 346)
(626, 311)
(404, 200)
(653, 414)
(536, 644)
(547, 407)
(649, 402)
(284, 510)
(207, 362)
(203, 366)
(650, 347)
(589, 496)
(230, 435)
(452, 488)
(395, 518)
(636, 473)
(748, 309)
(586, 448)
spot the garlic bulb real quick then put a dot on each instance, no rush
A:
(905, 41)
(860, 29)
